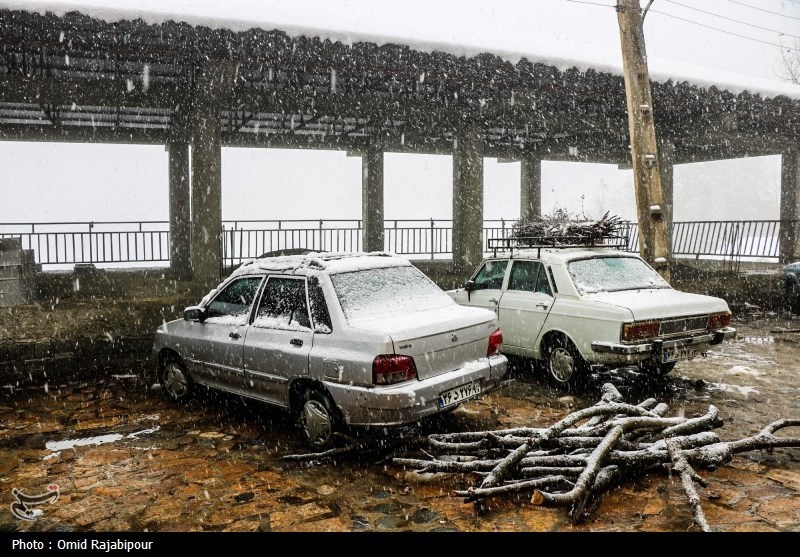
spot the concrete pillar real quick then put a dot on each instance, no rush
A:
(372, 200)
(666, 162)
(180, 219)
(790, 206)
(467, 201)
(530, 190)
(206, 183)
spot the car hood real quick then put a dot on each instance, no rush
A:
(660, 302)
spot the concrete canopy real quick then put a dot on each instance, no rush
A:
(77, 78)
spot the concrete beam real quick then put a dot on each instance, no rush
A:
(83, 92)
(372, 199)
(530, 188)
(468, 154)
(180, 218)
(82, 134)
(790, 206)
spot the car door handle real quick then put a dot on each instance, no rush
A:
(493, 300)
(296, 342)
(234, 335)
(541, 305)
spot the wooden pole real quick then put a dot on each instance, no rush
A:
(653, 245)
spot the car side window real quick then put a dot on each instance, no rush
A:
(542, 285)
(523, 276)
(283, 305)
(232, 304)
(319, 308)
(490, 276)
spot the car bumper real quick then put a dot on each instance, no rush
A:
(413, 400)
(656, 348)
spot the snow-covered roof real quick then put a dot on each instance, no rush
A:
(319, 262)
(424, 36)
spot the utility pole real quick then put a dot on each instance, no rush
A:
(653, 245)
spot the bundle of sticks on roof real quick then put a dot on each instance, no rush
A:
(563, 227)
(575, 460)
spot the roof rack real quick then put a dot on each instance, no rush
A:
(556, 242)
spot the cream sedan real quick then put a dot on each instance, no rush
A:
(573, 308)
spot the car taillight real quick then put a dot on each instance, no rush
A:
(719, 320)
(495, 343)
(639, 330)
(389, 369)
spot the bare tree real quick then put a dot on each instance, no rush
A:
(790, 55)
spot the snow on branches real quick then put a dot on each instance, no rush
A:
(561, 227)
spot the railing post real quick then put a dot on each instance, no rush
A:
(91, 256)
(321, 243)
(432, 239)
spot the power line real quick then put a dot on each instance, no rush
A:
(734, 20)
(592, 3)
(765, 10)
(727, 32)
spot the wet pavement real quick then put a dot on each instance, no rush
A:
(125, 459)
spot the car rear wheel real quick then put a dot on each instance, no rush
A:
(175, 380)
(319, 420)
(564, 364)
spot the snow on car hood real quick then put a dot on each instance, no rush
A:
(425, 323)
(660, 302)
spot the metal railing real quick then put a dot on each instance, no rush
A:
(105, 242)
(148, 242)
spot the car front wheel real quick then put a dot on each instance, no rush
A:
(319, 420)
(564, 364)
(792, 297)
(175, 380)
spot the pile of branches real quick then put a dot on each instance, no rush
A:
(574, 461)
(561, 227)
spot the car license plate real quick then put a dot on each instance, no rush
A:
(675, 354)
(458, 395)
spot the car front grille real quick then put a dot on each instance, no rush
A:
(683, 325)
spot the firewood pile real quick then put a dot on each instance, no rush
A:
(561, 227)
(574, 461)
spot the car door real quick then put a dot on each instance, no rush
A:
(279, 340)
(488, 285)
(214, 345)
(524, 305)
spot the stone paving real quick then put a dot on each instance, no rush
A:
(130, 461)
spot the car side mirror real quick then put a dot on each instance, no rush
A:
(469, 286)
(194, 313)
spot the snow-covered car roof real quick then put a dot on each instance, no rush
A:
(321, 262)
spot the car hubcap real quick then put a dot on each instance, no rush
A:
(316, 422)
(561, 365)
(175, 381)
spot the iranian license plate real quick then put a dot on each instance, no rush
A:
(675, 354)
(458, 395)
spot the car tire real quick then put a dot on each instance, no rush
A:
(319, 420)
(564, 365)
(175, 380)
(657, 369)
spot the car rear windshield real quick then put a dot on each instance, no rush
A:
(387, 292)
(609, 274)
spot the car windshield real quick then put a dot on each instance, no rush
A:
(609, 274)
(387, 292)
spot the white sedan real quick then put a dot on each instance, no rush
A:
(337, 339)
(576, 307)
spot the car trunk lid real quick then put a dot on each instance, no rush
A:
(440, 340)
